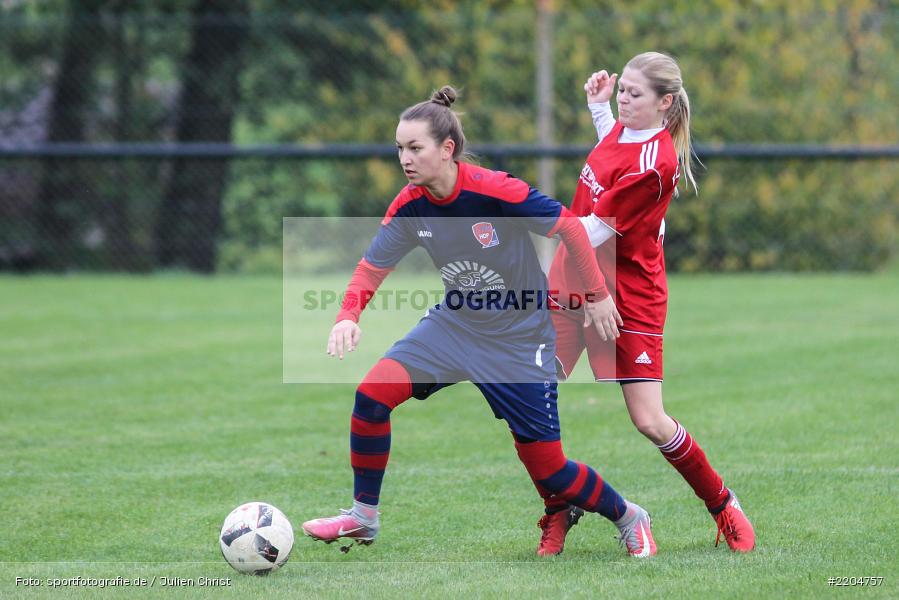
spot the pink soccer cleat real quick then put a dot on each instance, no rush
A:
(344, 525)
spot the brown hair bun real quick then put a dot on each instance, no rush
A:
(445, 96)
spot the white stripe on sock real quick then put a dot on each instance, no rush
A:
(676, 440)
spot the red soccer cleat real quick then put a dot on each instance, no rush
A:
(555, 527)
(737, 530)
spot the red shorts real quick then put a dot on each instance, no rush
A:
(636, 355)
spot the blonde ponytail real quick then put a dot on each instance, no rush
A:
(677, 120)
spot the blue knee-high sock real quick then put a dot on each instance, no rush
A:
(369, 447)
(386, 386)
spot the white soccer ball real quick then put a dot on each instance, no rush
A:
(256, 538)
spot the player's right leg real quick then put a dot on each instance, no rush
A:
(531, 410)
(411, 368)
(386, 386)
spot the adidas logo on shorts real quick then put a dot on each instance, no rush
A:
(643, 359)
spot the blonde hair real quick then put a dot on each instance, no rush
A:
(442, 121)
(664, 76)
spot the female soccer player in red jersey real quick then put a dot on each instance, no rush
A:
(474, 224)
(623, 192)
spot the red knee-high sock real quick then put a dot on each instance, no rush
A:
(386, 386)
(527, 454)
(685, 455)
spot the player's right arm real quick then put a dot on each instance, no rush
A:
(346, 333)
(389, 246)
(599, 88)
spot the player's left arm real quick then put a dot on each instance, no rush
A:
(599, 307)
(546, 216)
(531, 208)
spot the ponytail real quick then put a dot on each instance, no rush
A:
(677, 120)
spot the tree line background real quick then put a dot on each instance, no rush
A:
(317, 72)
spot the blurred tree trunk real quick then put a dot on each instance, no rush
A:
(546, 166)
(546, 172)
(65, 185)
(189, 220)
(123, 253)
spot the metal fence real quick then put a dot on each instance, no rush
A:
(164, 137)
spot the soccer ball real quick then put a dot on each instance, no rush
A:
(256, 538)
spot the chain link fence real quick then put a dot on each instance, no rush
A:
(237, 72)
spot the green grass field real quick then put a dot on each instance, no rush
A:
(137, 412)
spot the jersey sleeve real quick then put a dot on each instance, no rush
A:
(393, 241)
(597, 230)
(623, 205)
(575, 238)
(363, 284)
(603, 121)
(539, 212)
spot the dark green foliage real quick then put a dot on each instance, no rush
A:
(341, 72)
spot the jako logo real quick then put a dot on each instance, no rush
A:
(425, 233)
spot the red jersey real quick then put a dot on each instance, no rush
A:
(628, 186)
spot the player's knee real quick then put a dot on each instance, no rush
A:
(655, 429)
(369, 408)
(387, 384)
(541, 459)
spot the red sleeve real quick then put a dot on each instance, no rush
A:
(574, 237)
(362, 287)
(626, 203)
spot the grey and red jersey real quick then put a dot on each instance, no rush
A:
(477, 238)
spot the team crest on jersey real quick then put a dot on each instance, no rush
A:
(485, 234)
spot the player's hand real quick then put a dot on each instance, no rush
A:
(345, 336)
(604, 316)
(600, 86)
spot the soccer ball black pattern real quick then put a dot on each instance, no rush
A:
(256, 538)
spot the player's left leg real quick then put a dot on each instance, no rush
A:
(682, 451)
(579, 485)
(531, 410)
